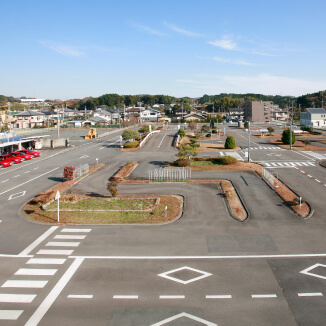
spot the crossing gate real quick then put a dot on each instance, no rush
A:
(169, 175)
(83, 169)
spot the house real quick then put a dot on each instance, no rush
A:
(313, 117)
(150, 115)
(236, 112)
(28, 119)
(279, 114)
(195, 117)
(258, 111)
(95, 121)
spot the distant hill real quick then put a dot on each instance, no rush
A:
(312, 100)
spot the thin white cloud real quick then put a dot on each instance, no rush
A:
(64, 49)
(148, 30)
(239, 62)
(263, 54)
(187, 81)
(181, 30)
(225, 44)
(218, 59)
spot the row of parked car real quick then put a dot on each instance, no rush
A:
(17, 157)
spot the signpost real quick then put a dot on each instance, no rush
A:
(96, 161)
(166, 212)
(57, 197)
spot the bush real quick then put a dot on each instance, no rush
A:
(307, 128)
(182, 162)
(129, 134)
(229, 143)
(208, 135)
(270, 130)
(132, 144)
(306, 142)
(316, 132)
(68, 172)
(145, 129)
(112, 187)
(286, 137)
(246, 124)
(225, 160)
(205, 129)
(181, 133)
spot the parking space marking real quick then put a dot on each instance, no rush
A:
(36, 271)
(10, 314)
(80, 296)
(261, 296)
(24, 284)
(125, 297)
(17, 298)
(17, 195)
(38, 241)
(316, 294)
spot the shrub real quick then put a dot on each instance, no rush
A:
(205, 129)
(316, 132)
(246, 124)
(306, 142)
(198, 159)
(181, 133)
(286, 137)
(307, 128)
(112, 187)
(129, 134)
(192, 125)
(68, 172)
(229, 143)
(225, 160)
(270, 130)
(182, 162)
(198, 135)
(145, 129)
(132, 144)
(208, 135)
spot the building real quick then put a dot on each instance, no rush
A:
(28, 119)
(258, 111)
(313, 117)
(236, 113)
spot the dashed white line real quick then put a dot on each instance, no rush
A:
(27, 172)
(222, 296)
(172, 296)
(309, 175)
(302, 171)
(315, 294)
(80, 296)
(16, 176)
(317, 180)
(257, 296)
(125, 297)
(4, 180)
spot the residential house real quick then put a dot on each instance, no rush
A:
(28, 119)
(313, 117)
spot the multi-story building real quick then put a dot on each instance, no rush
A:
(28, 119)
(258, 111)
(313, 117)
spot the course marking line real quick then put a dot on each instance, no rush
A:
(80, 296)
(309, 175)
(302, 171)
(17, 195)
(317, 180)
(184, 314)
(161, 141)
(54, 252)
(28, 181)
(308, 270)
(24, 284)
(40, 239)
(125, 297)
(36, 271)
(202, 275)
(10, 314)
(198, 257)
(4, 180)
(27, 171)
(35, 168)
(70, 237)
(62, 244)
(17, 298)
(172, 296)
(16, 176)
(76, 230)
(46, 261)
(315, 294)
(55, 292)
(222, 296)
(258, 296)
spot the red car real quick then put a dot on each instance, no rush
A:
(30, 152)
(21, 155)
(5, 163)
(13, 159)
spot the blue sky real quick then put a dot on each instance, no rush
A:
(73, 49)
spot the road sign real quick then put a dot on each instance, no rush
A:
(57, 195)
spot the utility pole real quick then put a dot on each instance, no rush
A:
(291, 128)
(248, 141)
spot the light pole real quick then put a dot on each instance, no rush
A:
(291, 127)
(248, 141)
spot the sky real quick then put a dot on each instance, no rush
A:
(74, 49)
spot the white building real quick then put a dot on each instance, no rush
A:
(313, 117)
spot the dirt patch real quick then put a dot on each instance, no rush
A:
(209, 147)
(124, 172)
(267, 135)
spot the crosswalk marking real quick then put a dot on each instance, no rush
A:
(24, 284)
(315, 155)
(70, 237)
(288, 164)
(269, 147)
(18, 298)
(36, 271)
(76, 230)
(46, 261)
(62, 244)
(54, 252)
(10, 314)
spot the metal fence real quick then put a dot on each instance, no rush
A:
(83, 169)
(269, 177)
(169, 174)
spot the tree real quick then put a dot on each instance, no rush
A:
(194, 143)
(129, 134)
(185, 151)
(246, 124)
(270, 130)
(145, 129)
(229, 143)
(286, 137)
(205, 129)
(181, 133)
(192, 125)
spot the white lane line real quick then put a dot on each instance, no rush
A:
(257, 296)
(62, 244)
(16, 176)
(315, 294)
(35, 168)
(55, 292)
(172, 296)
(46, 261)
(302, 171)
(317, 180)
(80, 296)
(76, 230)
(54, 252)
(10, 314)
(223, 296)
(17, 298)
(309, 175)
(27, 172)
(125, 297)
(161, 141)
(70, 237)
(84, 156)
(41, 175)
(24, 284)
(34, 244)
(36, 271)
(4, 180)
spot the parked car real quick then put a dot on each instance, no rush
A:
(30, 152)
(13, 159)
(4, 163)
(21, 155)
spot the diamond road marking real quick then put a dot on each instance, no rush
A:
(166, 275)
(307, 271)
(17, 195)
(184, 314)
